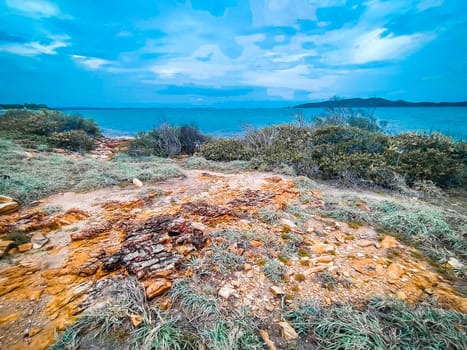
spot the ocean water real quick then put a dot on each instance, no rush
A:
(451, 121)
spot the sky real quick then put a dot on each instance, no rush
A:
(230, 53)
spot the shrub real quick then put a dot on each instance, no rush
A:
(166, 141)
(430, 157)
(74, 140)
(49, 127)
(225, 150)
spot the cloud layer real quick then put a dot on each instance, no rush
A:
(228, 52)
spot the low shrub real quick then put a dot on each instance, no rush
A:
(430, 157)
(48, 127)
(225, 150)
(166, 141)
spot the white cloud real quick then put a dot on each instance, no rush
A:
(91, 63)
(124, 34)
(34, 8)
(35, 48)
(376, 46)
(426, 4)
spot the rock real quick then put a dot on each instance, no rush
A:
(288, 333)
(136, 320)
(24, 247)
(455, 264)
(247, 267)
(198, 226)
(226, 291)
(286, 222)
(316, 269)
(155, 288)
(365, 243)
(275, 290)
(269, 307)
(137, 182)
(401, 295)
(8, 207)
(33, 331)
(363, 206)
(395, 272)
(38, 240)
(323, 259)
(265, 336)
(5, 246)
(389, 242)
(321, 248)
(255, 244)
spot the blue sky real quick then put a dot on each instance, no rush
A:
(231, 53)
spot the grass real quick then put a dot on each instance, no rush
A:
(274, 270)
(234, 166)
(32, 177)
(382, 324)
(437, 232)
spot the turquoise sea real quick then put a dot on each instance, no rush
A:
(231, 122)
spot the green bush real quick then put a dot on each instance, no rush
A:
(434, 157)
(49, 127)
(167, 141)
(225, 150)
(75, 140)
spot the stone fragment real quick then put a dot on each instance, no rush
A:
(322, 248)
(455, 264)
(198, 226)
(365, 243)
(136, 320)
(38, 241)
(316, 269)
(155, 288)
(286, 222)
(394, 272)
(247, 267)
(288, 333)
(33, 331)
(226, 291)
(8, 208)
(389, 242)
(265, 336)
(5, 246)
(276, 290)
(323, 259)
(363, 206)
(24, 247)
(401, 295)
(255, 244)
(137, 182)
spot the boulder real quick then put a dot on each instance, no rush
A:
(5, 246)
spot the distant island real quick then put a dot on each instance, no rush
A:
(377, 102)
(22, 106)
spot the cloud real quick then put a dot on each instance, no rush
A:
(91, 63)
(34, 8)
(378, 46)
(426, 4)
(35, 48)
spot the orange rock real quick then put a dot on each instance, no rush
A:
(155, 288)
(265, 336)
(288, 333)
(316, 269)
(24, 247)
(365, 243)
(255, 244)
(165, 304)
(9, 318)
(136, 320)
(33, 331)
(323, 259)
(321, 248)
(395, 272)
(247, 267)
(389, 242)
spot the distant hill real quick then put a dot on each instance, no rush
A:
(22, 106)
(377, 102)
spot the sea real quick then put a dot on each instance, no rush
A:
(219, 122)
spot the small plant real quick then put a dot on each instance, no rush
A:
(299, 277)
(274, 270)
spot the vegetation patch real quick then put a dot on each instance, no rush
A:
(382, 324)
